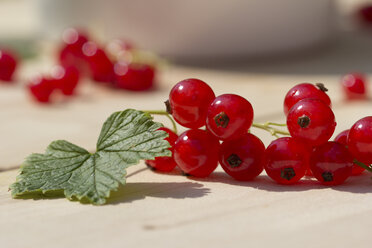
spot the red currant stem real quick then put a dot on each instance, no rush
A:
(363, 165)
(275, 124)
(165, 113)
(268, 127)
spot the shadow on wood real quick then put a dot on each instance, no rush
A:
(356, 184)
(135, 191)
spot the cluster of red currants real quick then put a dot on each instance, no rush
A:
(227, 138)
(79, 56)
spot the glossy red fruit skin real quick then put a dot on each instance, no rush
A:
(101, 67)
(354, 86)
(360, 140)
(41, 89)
(311, 121)
(196, 152)
(342, 138)
(189, 101)
(331, 163)
(229, 116)
(8, 64)
(243, 158)
(165, 164)
(286, 160)
(135, 77)
(304, 91)
(71, 52)
(65, 79)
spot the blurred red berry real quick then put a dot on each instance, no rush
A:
(136, 77)
(41, 89)
(354, 86)
(71, 53)
(101, 67)
(119, 50)
(365, 14)
(65, 79)
(8, 64)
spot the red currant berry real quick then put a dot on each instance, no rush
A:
(311, 121)
(286, 160)
(41, 89)
(8, 64)
(65, 78)
(165, 164)
(342, 138)
(304, 91)
(101, 67)
(196, 152)
(359, 140)
(136, 77)
(365, 14)
(229, 116)
(243, 158)
(331, 163)
(354, 86)
(71, 53)
(189, 101)
(308, 173)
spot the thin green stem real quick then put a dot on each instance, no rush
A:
(363, 165)
(165, 113)
(268, 127)
(275, 124)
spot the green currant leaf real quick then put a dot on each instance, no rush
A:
(126, 138)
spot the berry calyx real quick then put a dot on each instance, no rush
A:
(196, 152)
(360, 140)
(41, 89)
(135, 77)
(312, 121)
(303, 121)
(189, 101)
(8, 64)
(229, 116)
(222, 120)
(342, 138)
(305, 91)
(165, 164)
(354, 86)
(331, 163)
(242, 158)
(286, 160)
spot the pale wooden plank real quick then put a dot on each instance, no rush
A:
(171, 210)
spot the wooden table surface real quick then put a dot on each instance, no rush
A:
(169, 210)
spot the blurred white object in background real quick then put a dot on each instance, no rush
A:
(200, 28)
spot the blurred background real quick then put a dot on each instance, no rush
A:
(278, 36)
